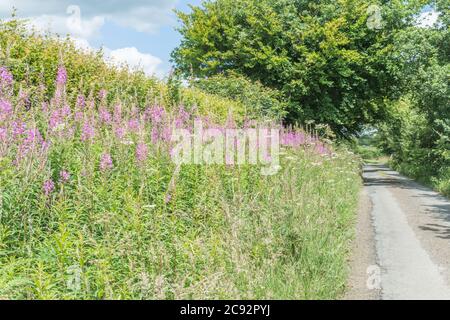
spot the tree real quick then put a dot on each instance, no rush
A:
(332, 67)
(424, 54)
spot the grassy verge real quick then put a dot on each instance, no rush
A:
(229, 233)
(440, 183)
(93, 207)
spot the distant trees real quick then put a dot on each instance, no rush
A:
(417, 133)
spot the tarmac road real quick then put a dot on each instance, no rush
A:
(403, 238)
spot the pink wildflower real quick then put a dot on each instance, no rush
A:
(65, 111)
(167, 134)
(118, 113)
(32, 139)
(156, 114)
(79, 116)
(18, 128)
(61, 77)
(106, 162)
(48, 187)
(55, 119)
(44, 107)
(88, 132)
(183, 115)
(64, 176)
(155, 135)
(32, 136)
(141, 152)
(120, 133)
(45, 146)
(3, 134)
(24, 100)
(102, 94)
(5, 76)
(321, 149)
(133, 125)
(105, 116)
(5, 109)
(81, 102)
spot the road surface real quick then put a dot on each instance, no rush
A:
(402, 247)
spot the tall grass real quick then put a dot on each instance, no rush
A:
(92, 207)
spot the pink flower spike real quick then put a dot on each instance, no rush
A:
(102, 94)
(79, 116)
(117, 113)
(105, 116)
(106, 162)
(81, 102)
(141, 152)
(54, 120)
(156, 114)
(3, 134)
(6, 76)
(88, 132)
(48, 187)
(18, 128)
(120, 133)
(5, 109)
(64, 176)
(61, 77)
(133, 125)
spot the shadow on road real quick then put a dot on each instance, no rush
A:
(431, 202)
(441, 231)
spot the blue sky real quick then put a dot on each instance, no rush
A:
(140, 33)
(160, 43)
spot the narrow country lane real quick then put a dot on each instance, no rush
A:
(407, 228)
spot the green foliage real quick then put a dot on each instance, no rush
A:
(227, 233)
(417, 132)
(329, 65)
(214, 106)
(367, 146)
(174, 90)
(34, 59)
(257, 99)
(412, 143)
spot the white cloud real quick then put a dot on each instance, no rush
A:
(135, 59)
(82, 44)
(142, 15)
(82, 28)
(70, 25)
(428, 19)
(83, 21)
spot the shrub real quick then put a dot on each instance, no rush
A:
(257, 99)
(33, 59)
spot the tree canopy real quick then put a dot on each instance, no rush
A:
(334, 60)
